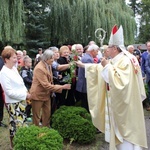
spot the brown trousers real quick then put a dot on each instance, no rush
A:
(41, 109)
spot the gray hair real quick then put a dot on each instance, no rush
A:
(130, 46)
(79, 45)
(93, 47)
(48, 54)
(54, 49)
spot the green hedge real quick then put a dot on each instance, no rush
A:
(74, 123)
(36, 138)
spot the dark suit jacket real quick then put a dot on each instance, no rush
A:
(143, 61)
(81, 82)
(1, 93)
(147, 68)
(1, 63)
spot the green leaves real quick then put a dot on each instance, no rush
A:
(74, 123)
(144, 22)
(11, 26)
(55, 22)
(76, 21)
(33, 137)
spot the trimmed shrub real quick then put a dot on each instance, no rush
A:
(74, 123)
(33, 137)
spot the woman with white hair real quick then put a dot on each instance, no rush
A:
(42, 87)
(20, 57)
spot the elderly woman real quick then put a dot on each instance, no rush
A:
(14, 90)
(42, 87)
(20, 57)
(56, 67)
(67, 97)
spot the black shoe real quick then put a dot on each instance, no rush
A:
(3, 125)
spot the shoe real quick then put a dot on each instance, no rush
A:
(148, 108)
(3, 125)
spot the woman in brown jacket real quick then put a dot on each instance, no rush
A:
(41, 89)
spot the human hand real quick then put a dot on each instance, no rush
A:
(28, 96)
(80, 64)
(104, 61)
(59, 76)
(67, 86)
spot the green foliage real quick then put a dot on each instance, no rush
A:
(35, 29)
(76, 21)
(74, 123)
(11, 25)
(68, 22)
(41, 23)
(144, 22)
(33, 137)
(135, 6)
(146, 89)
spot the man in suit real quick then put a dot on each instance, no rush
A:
(88, 57)
(146, 69)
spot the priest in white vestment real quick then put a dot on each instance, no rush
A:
(115, 91)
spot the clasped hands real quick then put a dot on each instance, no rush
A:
(104, 61)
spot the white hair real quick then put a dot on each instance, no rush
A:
(20, 52)
(54, 49)
(130, 46)
(93, 47)
(48, 54)
(79, 45)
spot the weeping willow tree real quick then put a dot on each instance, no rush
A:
(75, 21)
(11, 24)
(144, 35)
(121, 14)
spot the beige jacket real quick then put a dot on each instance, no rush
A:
(42, 84)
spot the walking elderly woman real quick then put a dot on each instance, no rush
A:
(41, 89)
(14, 90)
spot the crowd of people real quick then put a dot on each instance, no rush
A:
(105, 79)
